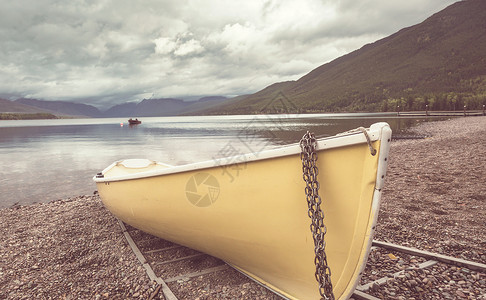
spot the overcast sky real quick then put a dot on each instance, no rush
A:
(102, 52)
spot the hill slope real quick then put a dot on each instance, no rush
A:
(7, 106)
(145, 108)
(62, 107)
(121, 110)
(161, 107)
(440, 62)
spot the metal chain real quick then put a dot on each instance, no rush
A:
(308, 155)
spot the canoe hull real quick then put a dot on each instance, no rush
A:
(253, 213)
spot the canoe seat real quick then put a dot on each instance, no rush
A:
(137, 163)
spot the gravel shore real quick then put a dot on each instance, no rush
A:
(434, 199)
(66, 249)
(435, 192)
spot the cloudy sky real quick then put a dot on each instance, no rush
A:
(102, 52)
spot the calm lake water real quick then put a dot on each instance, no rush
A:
(45, 160)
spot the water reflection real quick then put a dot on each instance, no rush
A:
(44, 160)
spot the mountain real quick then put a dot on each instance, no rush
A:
(7, 106)
(212, 98)
(440, 62)
(159, 107)
(203, 103)
(63, 107)
(145, 108)
(121, 110)
(162, 107)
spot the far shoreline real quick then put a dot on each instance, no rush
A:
(403, 114)
(27, 116)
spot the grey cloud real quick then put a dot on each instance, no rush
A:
(105, 52)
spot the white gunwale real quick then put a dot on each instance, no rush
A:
(346, 139)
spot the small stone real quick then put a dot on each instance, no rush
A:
(460, 294)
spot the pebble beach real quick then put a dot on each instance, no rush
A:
(434, 200)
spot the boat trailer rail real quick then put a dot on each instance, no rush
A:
(164, 260)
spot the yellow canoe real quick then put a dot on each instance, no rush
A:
(251, 210)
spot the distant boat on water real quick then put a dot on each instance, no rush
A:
(134, 122)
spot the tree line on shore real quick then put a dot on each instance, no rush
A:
(437, 102)
(26, 116)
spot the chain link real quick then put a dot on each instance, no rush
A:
(308, 155)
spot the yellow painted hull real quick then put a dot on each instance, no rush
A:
(252, 212)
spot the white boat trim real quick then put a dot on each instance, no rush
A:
(386, 135)
(346, 139)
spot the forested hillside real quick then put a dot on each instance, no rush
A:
(440, 62)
